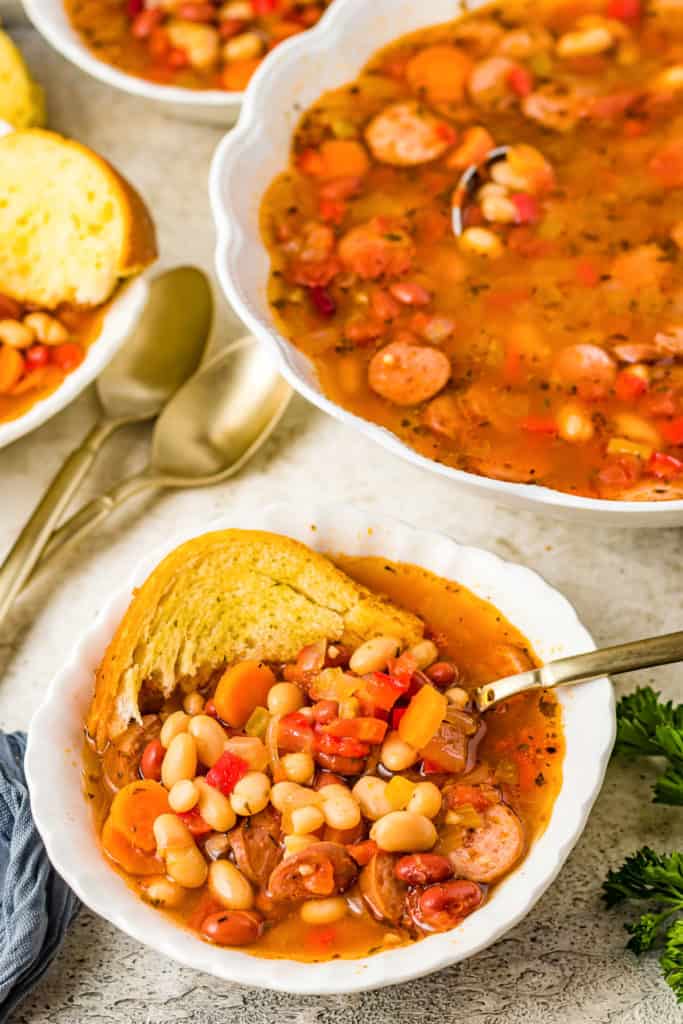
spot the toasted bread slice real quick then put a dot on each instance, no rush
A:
(22, 102)
(225, 596)
(71, 227)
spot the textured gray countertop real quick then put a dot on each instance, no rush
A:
(565, 964)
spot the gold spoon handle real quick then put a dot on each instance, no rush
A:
(94, 513)
(656, 650)
(20, 561)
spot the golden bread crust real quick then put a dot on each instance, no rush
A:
(226, 596)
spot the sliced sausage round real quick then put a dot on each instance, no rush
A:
(383, 892)
(407, 134)
(322, 869)
(407, 374)
(444, 417)
(438, 908)
(256, 846)
(491, 850)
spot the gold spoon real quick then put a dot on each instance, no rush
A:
(163, 351)
(649, 653)
(206, 433)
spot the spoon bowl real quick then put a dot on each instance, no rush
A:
(206, 434)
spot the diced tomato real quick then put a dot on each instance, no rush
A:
(520, 80)
(381, 690)
(264, 6)
(227, 772)
(367, 730)
(68, 356)
(396, 716)
(528, 210)
(672, 430)
(37, 355)
(462, 794)
(539, 425)
(629, 386)
(586, 274)
(322, 301)
(431, 767)
(664, 466)
(402, 668)
(295, 733)
(332, 211)
(363, 852)
(195, 822)
(624, 10)
(310, 162)
(343, 746)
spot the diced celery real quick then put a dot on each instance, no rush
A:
(257, 723)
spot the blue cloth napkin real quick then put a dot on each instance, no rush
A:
(37, 906)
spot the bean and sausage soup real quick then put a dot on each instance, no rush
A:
(38, 350)
(543, 344)
(343, 804)
(196, 44)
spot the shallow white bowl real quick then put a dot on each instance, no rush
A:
(53, 758)
(258, 149)
(117, 324)
(211, 106)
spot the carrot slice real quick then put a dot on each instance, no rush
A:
(425, 713)
(135, 862)
(440, 71)
(242, 688)
(235, 77)
(344, 158)
(135, 809)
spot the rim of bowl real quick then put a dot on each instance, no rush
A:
(50, 20)
(334, 31)
(51, 739)
(117, 324)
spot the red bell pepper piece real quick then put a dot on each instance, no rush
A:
(195, 822)
(381, 690)
(664, 466)
(629, 386)
(227, 772)
(367, 730)
(295, 733)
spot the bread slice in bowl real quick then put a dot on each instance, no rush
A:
(22, 102)
(71, 226)
(224, 597)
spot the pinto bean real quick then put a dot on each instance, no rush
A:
(407, 374)
(423, 868)
(322, 869)
(232, 927)
(491, 850)
(442, 906)
(382, 889)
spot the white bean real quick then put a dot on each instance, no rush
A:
(325, 911)
(251, 794)
(15, 334)
(162, 892)
(47, 329)
(425, 653)
(370, 792)
(170, 833)
(193, 703)
(284, 698)
(250, 749)
(229, 886)
(306, 820)
(298, 767)
(214, 807)
(396, 754)
(404, 832)
(209, 737)
(174, 724)
(481, 242)
(187, 867)
(373, 655)
(183, 796)
(180, 760)
(426, 800)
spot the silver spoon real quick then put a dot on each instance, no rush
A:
(163, 351)
(206, 433)
(470, 180)
(649, 653)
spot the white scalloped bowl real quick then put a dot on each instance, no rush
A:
(211, 106)
(258, 149)
(117, 324)
(53, 758)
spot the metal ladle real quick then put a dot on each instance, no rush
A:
(469, 182)
(649, 653)
(206, 433)
(165, 348)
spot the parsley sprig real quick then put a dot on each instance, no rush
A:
(649, 727)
